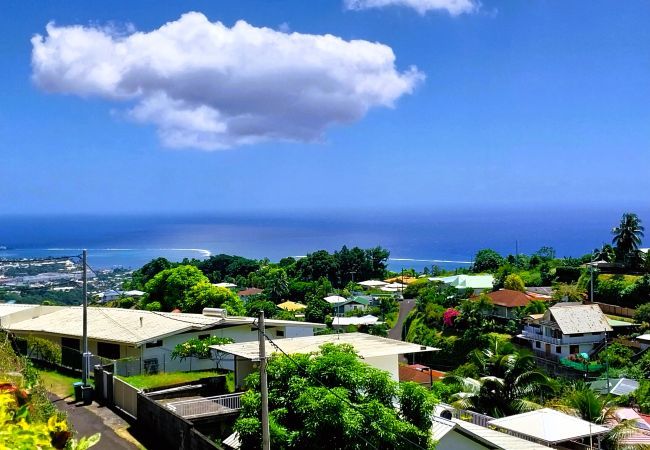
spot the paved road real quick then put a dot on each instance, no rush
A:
(405, 307)
(91, 419)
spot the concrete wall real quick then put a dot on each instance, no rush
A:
(171, 430)
(456, 441)
(388, 363)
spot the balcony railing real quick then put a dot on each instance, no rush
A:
(208, 406)
(536, 334)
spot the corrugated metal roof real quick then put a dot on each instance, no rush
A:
(130, 326)
(498, 439)
(10, 308)
(576, 318)
(548, 425)
(617, 386)
(366, 345)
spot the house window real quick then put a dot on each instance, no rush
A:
(107, 350)
(573, 349)
(70, 343)
(538, 344)
(279, 333)
(577, 334)
(151, 366)
(203, 337)
(153, 344)
(558, 349)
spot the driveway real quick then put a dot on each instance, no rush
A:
(94, 418)
(405, 307)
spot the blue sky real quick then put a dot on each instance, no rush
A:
(542, 104)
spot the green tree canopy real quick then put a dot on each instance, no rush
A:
(170, 286)
(627, 235)
(487, 260)
(206, 295)
(333, 400)
(514, 283)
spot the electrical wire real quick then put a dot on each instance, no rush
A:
(343, 399)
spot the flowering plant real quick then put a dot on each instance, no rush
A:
(449, 315)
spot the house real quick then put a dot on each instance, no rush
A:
(116, 333)
(616, 386)
(456, 434)
(644, 341)
(340, 322)
(566, 329)
(507, 302)
(109, 295)
(244, 294)
(478, 283)
(292, 306)
(420, 374)
(376, 351)
(353, 304)
(551, 428)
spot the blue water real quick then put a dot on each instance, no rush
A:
(446, 238)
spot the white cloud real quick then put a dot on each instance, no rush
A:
(453, 7)
(207, 86)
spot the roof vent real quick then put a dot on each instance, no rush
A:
(215, 312)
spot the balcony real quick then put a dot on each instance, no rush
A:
(535, 334)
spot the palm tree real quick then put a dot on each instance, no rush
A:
(599, 409)
(627, 235)
(605, 253)
(508, 384)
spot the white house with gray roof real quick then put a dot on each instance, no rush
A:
(566, 329)
(149, 336)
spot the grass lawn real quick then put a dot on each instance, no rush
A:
(166, 379)
(57, 383)
(622, 319)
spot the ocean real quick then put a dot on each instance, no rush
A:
(445, 238)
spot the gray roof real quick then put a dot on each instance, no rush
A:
(366, 345)
(491, 439)
(577, 318)
(617, 386)
(548, 425)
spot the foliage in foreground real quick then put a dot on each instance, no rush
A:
(333, 400)
(28, 420)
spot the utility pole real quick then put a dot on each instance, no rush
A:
(85, 359)
(266, 435)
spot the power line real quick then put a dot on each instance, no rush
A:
(350, 403)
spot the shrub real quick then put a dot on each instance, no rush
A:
(44, 349)
(514, 283)
(198, 348)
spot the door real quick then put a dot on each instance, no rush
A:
(548, 349)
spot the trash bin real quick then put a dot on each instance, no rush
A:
(87, 394)
(77, 390)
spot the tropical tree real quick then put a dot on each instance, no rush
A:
(605, 253)
(277, 285)
(206, 295)
(170, 286)
(583, 402)
(487, 260)
(334, 400)
(627, 235)
(508, 385)
(514, 283)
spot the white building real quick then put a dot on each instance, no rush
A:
(478, 283)
(376, 351)
(117, 333)
(567, 329)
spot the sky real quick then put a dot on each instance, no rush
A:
(333, 105)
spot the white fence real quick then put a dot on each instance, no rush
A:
(125, 397)
(208, 406)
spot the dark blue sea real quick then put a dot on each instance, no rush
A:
(445, 238)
